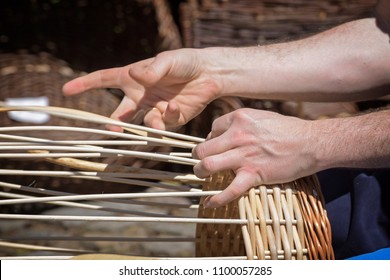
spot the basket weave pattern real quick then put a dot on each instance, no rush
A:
(285, 221)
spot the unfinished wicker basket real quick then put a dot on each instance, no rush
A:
(285, 221)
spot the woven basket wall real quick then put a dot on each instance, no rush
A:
(251, 22)
(292, 223)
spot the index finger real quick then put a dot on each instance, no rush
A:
(243, 181)
(107, 78)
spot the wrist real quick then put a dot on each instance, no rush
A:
(235, 70)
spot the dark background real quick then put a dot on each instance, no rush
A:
(89, 35)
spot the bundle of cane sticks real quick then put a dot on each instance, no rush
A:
(285, 221)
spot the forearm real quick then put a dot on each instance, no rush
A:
(355, 142)
(346, 63)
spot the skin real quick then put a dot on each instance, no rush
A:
(346, 63)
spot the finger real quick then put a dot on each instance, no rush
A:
(221, 124)
(150, 71)
(153, 119)
(214, 146)
(108, 78)
(213, 164)
(243, 181)
(171, 115)
(124, 112)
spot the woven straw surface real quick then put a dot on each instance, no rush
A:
(286, 221)
(251, 22)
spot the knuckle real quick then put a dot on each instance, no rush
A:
(204, 168)
(199, 151)
(208, 165)
(235, 192)
(241, 114)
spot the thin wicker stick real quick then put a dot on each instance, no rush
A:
(244, 228)
(106, 196)
(37, 258)
(101, 238)
(117, 152)
(150, 140)
(127, 201)
(54, 155)
(90, 206)
(221, 221)
(45, 248)
(105, 175)
(87, 142)
(79, 164)
(260, 230)
(121, 219)
(98, 177)
(95, 118)
(289, 219)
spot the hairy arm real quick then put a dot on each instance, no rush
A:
(357, 142)
(275, 149)
(347, 63)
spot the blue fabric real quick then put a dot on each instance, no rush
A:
(383, 254)
(358, 206)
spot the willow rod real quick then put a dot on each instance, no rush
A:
(89, 206)
(116, 201)
(81, 142)
(163, 142)
(136, 219)
(95, 118)
(36, 247)
(62, 174)
(105, 196)
(100, 238)
(138, 154)
(82, 174)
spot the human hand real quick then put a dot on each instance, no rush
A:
(261, 147)
(171, 88)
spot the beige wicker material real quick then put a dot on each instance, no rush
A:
(293, 223)
(269, 222)
(285, 221)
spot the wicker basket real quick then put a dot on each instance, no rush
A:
(285, 221)
(251, 22)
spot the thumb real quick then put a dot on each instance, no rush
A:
(149, 72)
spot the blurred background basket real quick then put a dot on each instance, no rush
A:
(208, 23)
